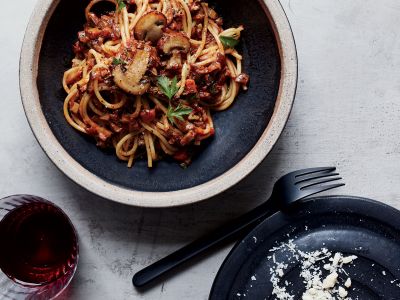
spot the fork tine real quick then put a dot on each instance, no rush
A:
(320, 189)
(320, 182)
(312, 170)
(314, 176)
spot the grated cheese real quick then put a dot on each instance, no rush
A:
(342, 292)
(330, 280)
(318, 286)
(347, 283)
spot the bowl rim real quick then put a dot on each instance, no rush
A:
(28, 72)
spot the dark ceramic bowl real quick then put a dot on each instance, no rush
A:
(245, 133)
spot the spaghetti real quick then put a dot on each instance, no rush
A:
(146, 76)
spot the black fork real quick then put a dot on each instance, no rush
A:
(287, 191)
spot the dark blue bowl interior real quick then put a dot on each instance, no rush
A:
(237, 129)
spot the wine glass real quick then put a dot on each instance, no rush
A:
(39, 248)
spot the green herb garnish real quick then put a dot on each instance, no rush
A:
(228, 42)
(168, 87)
(177, 112)
(120, 5)
(118, 61)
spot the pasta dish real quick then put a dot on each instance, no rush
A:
(147, 74)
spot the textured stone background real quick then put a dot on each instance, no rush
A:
(346, 114)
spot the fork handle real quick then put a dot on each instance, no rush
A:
(197, 247)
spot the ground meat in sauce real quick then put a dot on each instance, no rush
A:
(204, 83)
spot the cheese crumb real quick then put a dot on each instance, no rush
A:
(327, 267)
(280, 272)
(330, 280)
(348, 259)
(342, 292)
(336, 259)
(347, 283)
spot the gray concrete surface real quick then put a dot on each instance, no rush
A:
(346, 114)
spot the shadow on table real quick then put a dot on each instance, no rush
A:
(199, 217)
(153, 233)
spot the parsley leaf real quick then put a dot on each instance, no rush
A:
(120, 5)
(228, 42)
(177, 112)
(118, 61)
(168, 87)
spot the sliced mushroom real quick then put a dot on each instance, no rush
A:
(130, 77)
(175, 62)
(150, 26)
(174, 41)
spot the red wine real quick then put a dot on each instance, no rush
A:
(38, 244)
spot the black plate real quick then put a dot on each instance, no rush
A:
(363, 227)
(237, 129)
